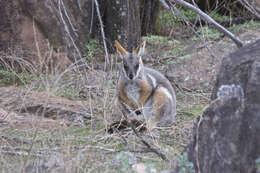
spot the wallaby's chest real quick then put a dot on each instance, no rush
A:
(132, 92)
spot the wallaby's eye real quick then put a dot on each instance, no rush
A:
(136, 66)
(125, 67)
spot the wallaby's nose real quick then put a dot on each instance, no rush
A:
(131, 76)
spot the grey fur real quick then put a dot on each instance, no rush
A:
(130, 75)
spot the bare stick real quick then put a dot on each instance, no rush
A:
(123, 138)
(207, 18)
(143, 150)
(250, 8)
(103, 34)
(92, 16)
(146, 143)
(175, 10)
(149, 147)
(67, 30)
(30, 150)
(15, 139)
(65, 11)
(72, 40)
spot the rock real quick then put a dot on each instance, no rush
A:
(37, 30)
(226, 138)
(42, 104)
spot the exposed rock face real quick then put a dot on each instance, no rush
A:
(226, 138)
(36, 26)
(42, 104)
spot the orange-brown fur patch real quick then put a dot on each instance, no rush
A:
(124, 98)
(138, 48)
(145, 92)
(159, 99)
(120, 48)
(144, 95)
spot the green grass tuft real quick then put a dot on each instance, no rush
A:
(11, 78)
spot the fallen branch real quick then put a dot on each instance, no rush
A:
(168, 57)
(144, 150)
(19, 153)
(226, 23)
(30, 152)
(185, 113)
(207, 18)
(15, 139)
(149, 147)
(129, 149)
(160, 59)
(179, 14)
(123, 138)
(250, 8)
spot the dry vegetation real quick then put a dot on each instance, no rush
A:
(58, 122)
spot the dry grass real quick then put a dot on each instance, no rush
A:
(31, 142)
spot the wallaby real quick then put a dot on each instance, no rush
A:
(144, 93)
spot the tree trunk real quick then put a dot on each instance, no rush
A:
(149, 13)
(35, 26)
(122, 22)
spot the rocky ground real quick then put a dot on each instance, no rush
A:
(60, 122)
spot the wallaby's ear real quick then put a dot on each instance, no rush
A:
(140, 49)
(120, 49)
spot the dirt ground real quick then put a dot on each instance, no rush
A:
(59, 124)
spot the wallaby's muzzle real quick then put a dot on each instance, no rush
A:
(131, 76)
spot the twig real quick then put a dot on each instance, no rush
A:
(30, 150)
(169, 57)
(250, 8)
(67, 30)
(185, 112)
(178, 13)
(149, 147)
(19, 153)
(123, 138)
(92, 16)
(65, 11)
(15, 139)
(226, 23)
(72, 40)
(7, 148)
(37, 46)
(103, 34)
(79, 5)
(143, 150)
(182, 54)
(197, 144)
(3, 114)
(207, 18)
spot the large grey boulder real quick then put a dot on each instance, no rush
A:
(227, 137)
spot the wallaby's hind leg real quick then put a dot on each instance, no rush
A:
(162, 106)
